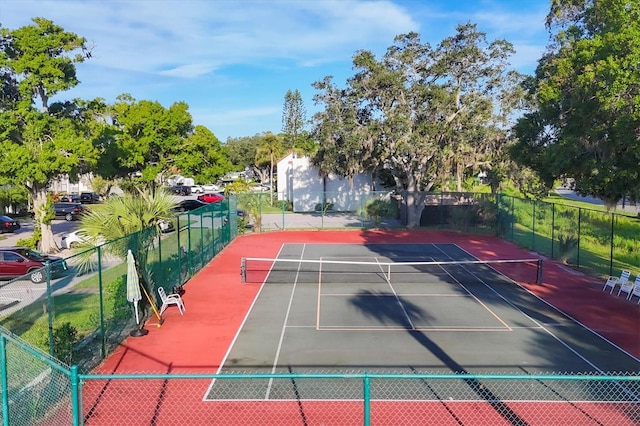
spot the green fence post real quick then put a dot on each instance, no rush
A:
(283, 210)
(75, 396)
(533, 228)
(324, 205)
(103, 333)
(188, 252)
(180, 255)
(553, 227)
(513, 217)
(4, 381)
(160, 250)
(202, 261)
(47, 270)
(366, 397)
(579, 238)
(611, 250)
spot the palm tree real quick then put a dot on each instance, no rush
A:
(128, 214)
(270, 147)
(131, 221)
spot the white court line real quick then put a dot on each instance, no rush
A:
(244, 320)
(406, 314)
(545, 329)
(284, 325)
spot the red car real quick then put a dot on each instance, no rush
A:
(211, 197)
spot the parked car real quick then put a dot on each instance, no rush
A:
(260, 188)
(212, 197)
(8, 225)
(181, 190)
(197, 189)
(188, 205)
(89, 198)
(18, 261)
(166, 226)
(79, 237)
(69, 211)
(210, 187)
(70, 198)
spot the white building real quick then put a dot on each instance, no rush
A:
(301, 183)
(64, 185)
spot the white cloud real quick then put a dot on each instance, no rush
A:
(239, 55)
(189, 70)
(156, 36)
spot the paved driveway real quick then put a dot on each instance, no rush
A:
(59, 228)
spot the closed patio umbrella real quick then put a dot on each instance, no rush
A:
(133, 291)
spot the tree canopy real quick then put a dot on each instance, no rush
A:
(426, 115)
(584, 122)
(38, 145)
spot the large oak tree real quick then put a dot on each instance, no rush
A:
(426, 115)
(39, 142)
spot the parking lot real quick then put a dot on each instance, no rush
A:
(59, 228)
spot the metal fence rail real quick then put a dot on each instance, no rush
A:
(37, 389)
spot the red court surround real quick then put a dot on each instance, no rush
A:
(217, 301)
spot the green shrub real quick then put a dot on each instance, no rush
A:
(379, 209)
(323, 207)
(31, 242)
(566, 243)
(65, 338)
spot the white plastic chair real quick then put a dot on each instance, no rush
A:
(170, 299)
(614, 281)
(628, 286)
(635, 290)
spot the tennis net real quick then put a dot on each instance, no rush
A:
(265, 270)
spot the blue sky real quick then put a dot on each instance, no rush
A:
(233, 61)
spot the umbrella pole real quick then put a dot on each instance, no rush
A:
(139, 331)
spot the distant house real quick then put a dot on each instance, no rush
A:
(301, 183)
(176, 180)
(64, 185)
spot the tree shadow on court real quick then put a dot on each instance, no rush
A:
(377, 305)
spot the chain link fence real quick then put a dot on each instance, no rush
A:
(78, 312)
(597, 242)
(38, 389)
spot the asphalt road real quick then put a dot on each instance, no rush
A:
(567, 193)
(59, 228)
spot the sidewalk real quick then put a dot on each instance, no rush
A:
(567, 193)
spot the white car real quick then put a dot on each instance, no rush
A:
(209, 187)
(197, 189)
(166, 226)
(79, 237)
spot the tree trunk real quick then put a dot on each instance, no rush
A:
(458, 177)
(412, 202)
(47, 243)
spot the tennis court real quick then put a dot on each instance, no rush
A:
(408, 309)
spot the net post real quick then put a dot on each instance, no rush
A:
(243, 270)
(539, 277)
